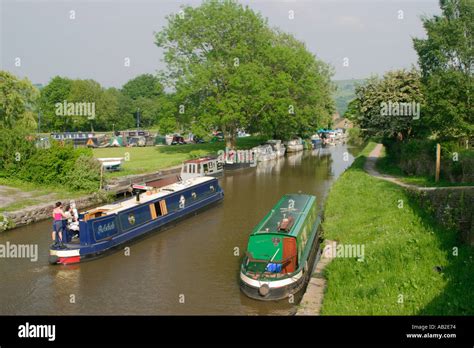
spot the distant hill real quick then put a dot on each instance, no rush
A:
(345, 93)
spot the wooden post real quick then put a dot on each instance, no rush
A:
(438, 161)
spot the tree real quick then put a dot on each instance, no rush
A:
(223, 62)
(145, 85)
(123, 117)
(17, 100)
(446, 59)
(56, 91)
(72, 105)
(390, 107)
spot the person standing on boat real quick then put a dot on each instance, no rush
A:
(58, 215)
(73, 221)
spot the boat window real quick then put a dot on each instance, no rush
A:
(161, 208)
(185, 168)
(193, 195)
(205, 168)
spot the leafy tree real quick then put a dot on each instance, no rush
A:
(389, 93)
(56, 91)
(123, 117)
(225, 65)
(446, 58)
(17, 100)
(145, 85)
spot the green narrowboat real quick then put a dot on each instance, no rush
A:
(282, 249)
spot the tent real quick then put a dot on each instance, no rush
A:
(116, 141)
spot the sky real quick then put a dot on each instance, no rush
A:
(95, 39)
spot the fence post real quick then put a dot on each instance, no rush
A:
(438, 161)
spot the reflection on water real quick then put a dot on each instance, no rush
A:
(193, 260)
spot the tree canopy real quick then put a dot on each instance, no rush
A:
(446, 59)
(17, 101)
(231, 71)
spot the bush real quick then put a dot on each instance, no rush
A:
(16, 147)
(5, 223)
(50, 166)
(418, 157)
(85, 175)
(355, 136)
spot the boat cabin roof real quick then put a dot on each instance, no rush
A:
(286, 215)
(161, 192)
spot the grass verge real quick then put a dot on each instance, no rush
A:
(412, 265)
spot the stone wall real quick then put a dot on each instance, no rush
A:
(452, 207)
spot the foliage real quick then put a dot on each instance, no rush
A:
(396, 87)
(417, 157)
(231, 71)
(56, 91)
(6, 223)
(446, 61)
(17, 98)
(60, 164)
(50, 166)
(85, 175)
(145, 86)
(16, 147)
(355, 136)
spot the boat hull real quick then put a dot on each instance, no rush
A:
(238, 165)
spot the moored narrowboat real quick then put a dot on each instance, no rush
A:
(282, 249)
(111, 226)
(203, 166)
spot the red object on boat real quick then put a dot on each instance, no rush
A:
(68, 260)
(290, 254)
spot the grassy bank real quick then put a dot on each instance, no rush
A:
(148, 159)
(409, 267)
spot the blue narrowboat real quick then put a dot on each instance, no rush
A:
(111, 226)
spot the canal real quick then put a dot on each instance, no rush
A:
(190, 268)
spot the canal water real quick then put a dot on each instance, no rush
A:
(190, 268)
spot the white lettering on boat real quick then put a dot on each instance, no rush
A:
(106, 227)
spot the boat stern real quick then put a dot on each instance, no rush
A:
(63, 256)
